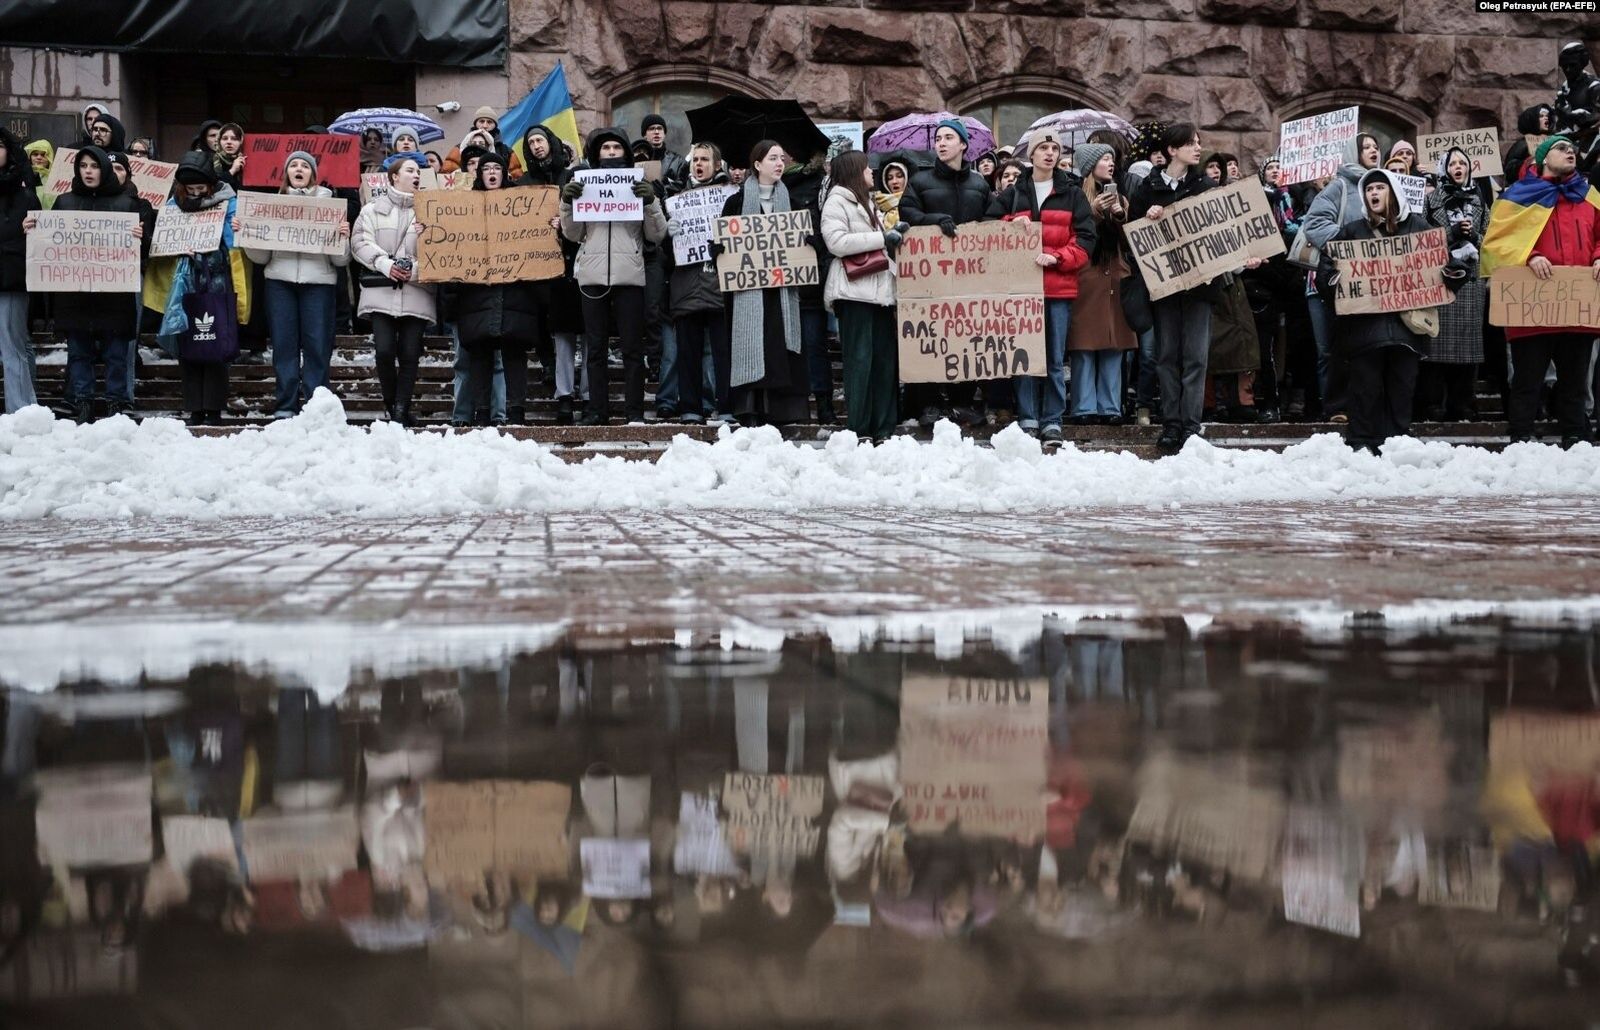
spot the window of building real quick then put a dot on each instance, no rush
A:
(1009, 116)
(670, 101)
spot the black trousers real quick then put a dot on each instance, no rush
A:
(205, 385)
(696, 333)
(1450, 389)
(480, 371)
(1382, 384)
(619, 308)
(1530, 358)
(397, 346)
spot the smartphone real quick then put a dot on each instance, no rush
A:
(1110, 188)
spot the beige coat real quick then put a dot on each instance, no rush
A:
(612, 253)
(382, 233)
(849, 229)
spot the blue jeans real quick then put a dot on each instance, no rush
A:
(667, 389)
(1048, 392)
(16, 351)
(308, 737)
(1096, 382)
(83, 350)
(462, 411)
(1145, 395)
(1332, 370)
(300, 321)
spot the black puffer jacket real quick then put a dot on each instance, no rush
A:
(98, 312)
(509, 311)
(1355, 335)
(940, 191)
(17, 198)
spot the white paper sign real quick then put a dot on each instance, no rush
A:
(851, 131)
(1309, 148)
(614, 868)
(1319, 887)
(190, 837)
(608, 195)
(1415, 189)
(94, 816)
(702, 847)
(694, 214)
(187, 232)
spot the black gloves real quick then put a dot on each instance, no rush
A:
(947, 225)
(572, 190)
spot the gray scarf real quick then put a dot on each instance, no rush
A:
(748, 331)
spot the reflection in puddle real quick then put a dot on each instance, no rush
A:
(1129, 820)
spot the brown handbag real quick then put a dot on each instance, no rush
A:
(871, 262)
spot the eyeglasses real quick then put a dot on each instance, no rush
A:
(1566, 148)
(139, 153)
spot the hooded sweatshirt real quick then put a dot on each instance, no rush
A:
(119, 135)
(108, 313)
(1340, 201)
(1360, 334)
(45, 147)
(17, 198)
(84, 139)
(549, 171)
(612, 253)
(301, 269)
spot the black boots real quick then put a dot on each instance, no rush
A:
(825, 413)
(563, 411)
(402, 414)
(516, 416)
(83, 413)
(480, 416)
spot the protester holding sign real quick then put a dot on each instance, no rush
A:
(694, 298)
(860, 292)
(98, 326)
(611, 278)
(384, 241)
(1447, 385)
(1055, 199)
(547, 166)
(1383, 349)
(300, 298)
(17, 198)
(1548, 218)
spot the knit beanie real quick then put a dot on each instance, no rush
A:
(1086, 155)
(1042, 136)
(1544, 149)
(307, 158)
(1400, 145)
(649, 120)
(486, 112)
(394, 141)
(957, 125)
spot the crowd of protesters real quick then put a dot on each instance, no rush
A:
(1263, 344)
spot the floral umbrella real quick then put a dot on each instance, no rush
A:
(1075, 127)
(915, 132)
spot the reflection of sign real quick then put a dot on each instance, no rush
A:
(489, 236)
(1309, 148)
(1544, 742)
(501, 825)
(702, 843)
(773, 813)
(315, 845)
(608, 195)
(1320, 885)
(1461, 875)
(83, 252)
(1201, 237)
(1569, 298)
(187, 232)
(1210, 811)
(286, 221)
(94, 816)
(761, 252)
(973, 752)
(615, 868)
(1481, 145)
(153, 179)
(187, 838)
(694, 213)
(1390, 273)
(338, 157)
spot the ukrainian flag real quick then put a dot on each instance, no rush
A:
(1517, 220)
(550, 105)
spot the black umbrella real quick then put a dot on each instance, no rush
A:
(737, 123)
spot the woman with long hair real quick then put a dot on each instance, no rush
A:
(384, 241)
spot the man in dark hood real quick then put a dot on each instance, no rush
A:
(196, 168)
(205, 138)
(108, 134)
(546, 162)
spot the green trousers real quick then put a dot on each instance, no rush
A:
(870, 346)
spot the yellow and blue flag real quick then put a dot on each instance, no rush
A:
(548, 104)
(1519, 216)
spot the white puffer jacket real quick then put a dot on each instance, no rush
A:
(847, 229)
(302, 269)
(383, 232)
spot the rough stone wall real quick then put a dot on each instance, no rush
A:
(1237, 66)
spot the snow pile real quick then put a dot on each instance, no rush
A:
(318, 464)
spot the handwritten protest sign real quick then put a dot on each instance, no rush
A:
(1309, 148)
(1212, 811)
(95, 815)
(312, 845)
(1460, 874)
(1481, 145)
(501, 825)
(83, 252)
(970, 306)
(608, 195)
(153, 179)
(284, 221)
(973, 751)
(1321, 863)
(489, 236)
(1570, 297)
(651, 169)
(188, 838)
(1391, 273)
(1415, 189)
(695, 213)
(772, 813)
(338, 157)
(614, 868)
(1204, 236)
(760, 252)
(852, 131)
(373, 184)
(187, 232)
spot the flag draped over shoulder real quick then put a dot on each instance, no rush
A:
(1518, 218)
(548, 104)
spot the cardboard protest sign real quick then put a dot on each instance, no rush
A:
(761, 252)
(311, 845)
(501, 825)
(1203, 236)
(1309, 148)
(608, 195)
(973, 752)
(696, 212)
(83, 252)
(94, 815)
(284, 221)
(1517, 297)
(1481, 145)
(489, 236)
(187, 232)
(338, 157)
(1391, 273)
(1544, 743)
(651, 169)
(1321, 872)
(614, 868)
(970, 306)
(187, 838)
(1212, 811)
(153, 179)
(1415, 189)
(773, 813)
(1460, 875)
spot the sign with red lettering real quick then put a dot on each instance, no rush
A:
(608, 195)
(1309, 148)
(1390, 273)
(338, 157)
(153, 179)
(83, 252)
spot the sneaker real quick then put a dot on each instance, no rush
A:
(909, 423)
(1171, 441)
(1340, 419)
(1051, 434)
(1141, 416)
(591, 419)
(690, 419)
